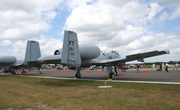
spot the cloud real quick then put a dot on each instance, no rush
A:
(24, 20)
(30, 6)
(123, 26)
(175, 14)
(102, 21)
(173, 5)
(155, 9)
(21, 20)
(128, 26)
(5, 43)
(47, 46)
(105, 23)
(168, 3)
(71, 4)
(156, 41)
(163, 16)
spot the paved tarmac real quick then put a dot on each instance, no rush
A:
(148, 75)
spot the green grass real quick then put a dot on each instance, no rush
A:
(19, 92)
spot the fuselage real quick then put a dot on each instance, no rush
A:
(90, 55)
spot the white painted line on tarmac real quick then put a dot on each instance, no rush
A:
(151, 82)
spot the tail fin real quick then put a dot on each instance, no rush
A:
(70, 51)
(32, 51)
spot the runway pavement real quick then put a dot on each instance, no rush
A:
(145, 76)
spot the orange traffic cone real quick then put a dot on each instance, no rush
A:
(52, 71)
(64, 71)
(120, 71)
(144, 71)
(99, 72)
(88, 71)
(27, 71)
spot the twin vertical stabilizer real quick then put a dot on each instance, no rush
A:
(32, 51)
(70, 52)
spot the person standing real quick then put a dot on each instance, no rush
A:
(176, 65)
(166, 68)
(163, 66)
(160, 67)
(137, 68)
(153, 65)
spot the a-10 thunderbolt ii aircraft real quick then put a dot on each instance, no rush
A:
(85, 55)
(10, 63)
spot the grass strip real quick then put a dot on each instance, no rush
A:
(19, 92)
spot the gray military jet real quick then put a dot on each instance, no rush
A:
(85, 55)
(10, 63)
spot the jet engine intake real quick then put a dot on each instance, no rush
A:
(58, 52)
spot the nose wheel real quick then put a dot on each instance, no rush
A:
(78, 75)
(23, 72)
(112, 76)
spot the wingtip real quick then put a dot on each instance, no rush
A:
(167, 51)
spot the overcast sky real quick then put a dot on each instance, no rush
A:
(126, 26)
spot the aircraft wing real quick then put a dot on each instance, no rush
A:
(19, 63)
(50, 59)
(141, 56)
(138, 57)
(56, 59)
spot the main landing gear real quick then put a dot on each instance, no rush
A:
(40, 72)
(24, 72)
(78, 74)
(12, 71)
(112, 75)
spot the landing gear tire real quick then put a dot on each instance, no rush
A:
(78, 75)
(5, 70)
(40, 72)
(23, 73)
(117, 74)
(112, 76)
(13, 72)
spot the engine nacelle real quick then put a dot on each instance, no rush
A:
(86, 51)
(8, 59)
(89, 51)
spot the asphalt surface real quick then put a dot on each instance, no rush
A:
(148, 75)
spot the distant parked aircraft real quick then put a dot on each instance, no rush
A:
(10, 63)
